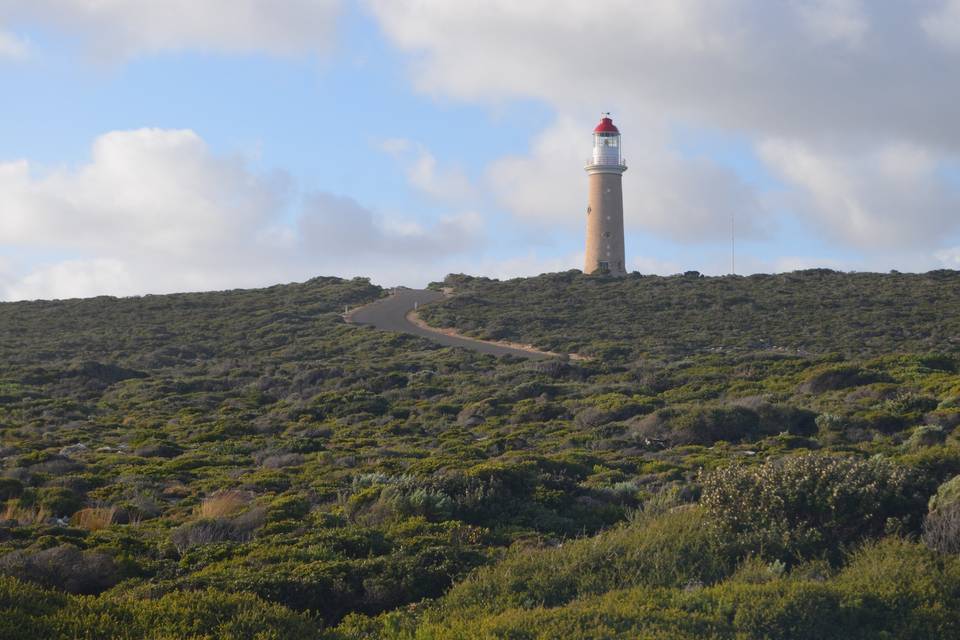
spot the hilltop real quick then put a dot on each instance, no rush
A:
(741, 457)
(812, 312)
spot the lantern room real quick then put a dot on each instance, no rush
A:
(606, 143)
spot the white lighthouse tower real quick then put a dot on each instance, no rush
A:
(605, 251)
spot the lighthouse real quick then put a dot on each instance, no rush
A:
(605, 253)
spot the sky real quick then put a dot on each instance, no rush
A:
(153, 146)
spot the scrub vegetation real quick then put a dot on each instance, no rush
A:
(759, 457)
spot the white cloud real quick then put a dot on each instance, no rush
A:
(949, 258)
(846, 100)
(683, 199)
(75, 279)
(797, 263)
(340, 227)
(881, 198)
(150, 189)
(12, 47)
(943, 24)
(156, 211)
(744, 65)
(447, 184)
(111, 29)
(530, 263)
(842, 21)
(656, 266)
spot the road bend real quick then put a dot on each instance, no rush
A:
(390, 314)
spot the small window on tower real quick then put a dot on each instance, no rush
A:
(589, 209)
(606, 234)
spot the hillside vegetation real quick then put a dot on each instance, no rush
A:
(809, 312)
(242, 464)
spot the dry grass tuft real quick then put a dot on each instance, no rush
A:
(223, 504)
(94, 518)
(24, 516)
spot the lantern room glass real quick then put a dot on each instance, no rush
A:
(606, 148)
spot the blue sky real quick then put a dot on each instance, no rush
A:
(153, 147)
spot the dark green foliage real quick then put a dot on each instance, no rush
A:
(60, 501)
(244, 464)
(64, 567)
(335, 571)
(817, 311)
(28, 613)
(10, 488)
(671, 550)
(835, 377)
(700, 425)
(893, 589)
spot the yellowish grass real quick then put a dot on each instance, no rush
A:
(24, 516)
(94, 518)
(176, 490)
(222, 504)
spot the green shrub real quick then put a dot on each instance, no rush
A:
(941, 528)
(64, 567)
(672, 549)
(947, 493)
(10, 488)
(891, 589)
(835, 377)
(24, 610)
(925, 436)
(804, 506)
(699, 425)
(186, 615)
(288, 507)
(60, 501)
(903, 589)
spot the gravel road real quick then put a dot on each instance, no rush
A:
(390, 314)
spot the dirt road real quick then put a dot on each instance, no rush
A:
(392, 314)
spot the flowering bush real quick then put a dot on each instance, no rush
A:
(809, 505)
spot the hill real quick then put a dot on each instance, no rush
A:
(811, 312)
(243, 464)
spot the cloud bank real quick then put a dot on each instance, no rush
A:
(156, 211)
(849, 104)
(121, 29)
(12, 47)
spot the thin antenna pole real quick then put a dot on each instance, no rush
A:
(733, 244)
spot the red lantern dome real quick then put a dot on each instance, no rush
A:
(606, 126)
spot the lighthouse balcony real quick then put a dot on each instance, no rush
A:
(619, 164)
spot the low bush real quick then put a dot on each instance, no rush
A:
(673, 549)
(891, 589)
(64, 567)
(29, 613)
(926, 436)
(809, 505)
(699, 425)
(207, 531)
(60, 501)
(941, 529)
